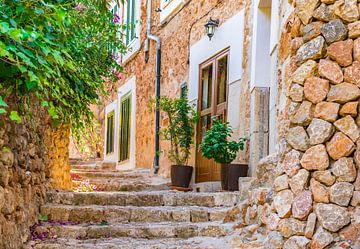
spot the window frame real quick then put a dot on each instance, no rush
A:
(110, 143)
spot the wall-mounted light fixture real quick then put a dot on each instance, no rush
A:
(210, 26)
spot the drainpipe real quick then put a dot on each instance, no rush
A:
(158, 80)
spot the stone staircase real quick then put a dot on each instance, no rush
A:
(135, 210)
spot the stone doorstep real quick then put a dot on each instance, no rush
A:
(137, 230)
(151, 198)
(130, 243)
(115, 214)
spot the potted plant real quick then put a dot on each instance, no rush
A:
(180, 129)
(216, 145)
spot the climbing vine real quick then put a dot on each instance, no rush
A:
(60, 50)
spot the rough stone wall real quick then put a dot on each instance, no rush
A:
(24, 172)
(316, 180)
(184, 29)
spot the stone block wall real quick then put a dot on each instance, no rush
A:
(316, 189)
(26, 151)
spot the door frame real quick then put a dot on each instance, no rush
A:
(213, 60)
(123, 91)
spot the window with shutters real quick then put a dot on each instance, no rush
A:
(110, 133)
(125, 125)
(130, 21)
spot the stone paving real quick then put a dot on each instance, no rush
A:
(147, 216)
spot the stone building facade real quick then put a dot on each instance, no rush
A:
(247, 33)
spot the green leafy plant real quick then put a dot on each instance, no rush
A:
(61, 51)
(216, 144)
(181, 119)
(43, 217)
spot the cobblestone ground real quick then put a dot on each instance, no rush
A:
(132, 209)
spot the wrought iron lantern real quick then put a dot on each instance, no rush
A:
(210, 26)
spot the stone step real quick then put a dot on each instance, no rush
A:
(116, 214)
(183, 230)
(130, 243)
(101, 173)
(137, 184)
(150, 198)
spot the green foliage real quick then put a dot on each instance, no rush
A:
(59, 50)
(216, 144)
(180, 129)
(43, 217)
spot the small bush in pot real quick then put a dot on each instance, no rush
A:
(180, 132)
(217, 145)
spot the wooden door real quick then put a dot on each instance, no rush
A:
(213, 95)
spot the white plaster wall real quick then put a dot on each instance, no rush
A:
(112, 157)
(260, 62)
(128, 87)
(227, 35)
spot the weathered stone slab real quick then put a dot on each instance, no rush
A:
(327, 111)
(347, 10)
(281, 183)
(344, 169)
(319, 131)
(291, 162)
(303, 114)
(302, 205)
(316, 89)
(324, 13)
(311, 31)
(312, 50)
(349, 108)
(341, 52)
(321, 239)
(296, 242)
(319, 191)
(310, 226)
(315, 158)
(334, 31)
(282, 203)
(343, 93)
(305, 9)
(341, 193)
(305, 71)
(290, 227)
(296, 93)
(340, 146)
(325, 177)
(298, 138)
(357, 49)
(332, 217)
(352, 73)
(348, 126)
(331, 71)
(354, 29)
(299, 182)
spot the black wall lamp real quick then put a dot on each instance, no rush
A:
(210, 26)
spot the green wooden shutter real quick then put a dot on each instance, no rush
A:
(110, 133)
(125, 123)
(130, 21)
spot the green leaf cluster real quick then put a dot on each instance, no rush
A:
(59, 50)
(216, 144)
(180, 130)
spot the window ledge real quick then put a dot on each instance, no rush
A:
(165, 19)
(134, 48)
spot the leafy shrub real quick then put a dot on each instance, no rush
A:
(180, 129)
(216, 144)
